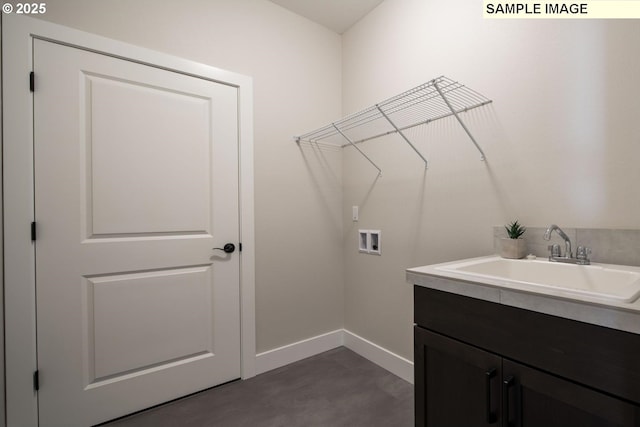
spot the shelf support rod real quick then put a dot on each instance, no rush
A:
(455, 114)
(399, 131)
(356, 147)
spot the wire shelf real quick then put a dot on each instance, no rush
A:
(434, 100)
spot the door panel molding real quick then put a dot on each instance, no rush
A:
(107, 334)
(18, 33)
(128, 188)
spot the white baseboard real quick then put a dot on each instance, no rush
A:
(294, 352)
(382, 357)
(290, 353)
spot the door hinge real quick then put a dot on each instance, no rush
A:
(36, 380)
(32, 81)
(33, 231)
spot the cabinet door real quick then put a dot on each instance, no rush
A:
(455, 384)
(533, 398)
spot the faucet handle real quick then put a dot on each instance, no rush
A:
(583, 252)
(554, 250)
(582, 255)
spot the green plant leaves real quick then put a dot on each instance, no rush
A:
(515, 230)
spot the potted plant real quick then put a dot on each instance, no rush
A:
(513, 246)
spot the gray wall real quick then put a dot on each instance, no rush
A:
(562, 140)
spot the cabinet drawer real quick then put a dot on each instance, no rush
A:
(603, 358)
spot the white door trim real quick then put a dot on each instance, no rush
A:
(18, 33)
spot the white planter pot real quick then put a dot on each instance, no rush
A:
(513, 248)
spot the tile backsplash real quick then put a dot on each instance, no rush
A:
(609, 246)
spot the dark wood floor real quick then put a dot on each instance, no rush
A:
(334, 389)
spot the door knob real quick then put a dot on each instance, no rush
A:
(228, 248)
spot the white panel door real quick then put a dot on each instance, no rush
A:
(136, 181)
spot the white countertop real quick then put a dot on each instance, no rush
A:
(613, 314)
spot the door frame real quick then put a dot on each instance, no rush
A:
(20, 352)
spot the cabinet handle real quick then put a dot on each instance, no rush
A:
(507, 383)
(488, 376)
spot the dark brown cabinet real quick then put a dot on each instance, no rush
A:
(459, 385)
(484, 364)
(535, 398)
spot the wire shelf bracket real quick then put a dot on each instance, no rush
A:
(356, 147)
(399, 131)
(455, 114)
(434, 100)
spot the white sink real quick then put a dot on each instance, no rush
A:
(618, 283)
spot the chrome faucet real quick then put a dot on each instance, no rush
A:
(582, 256)
(567, 241)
